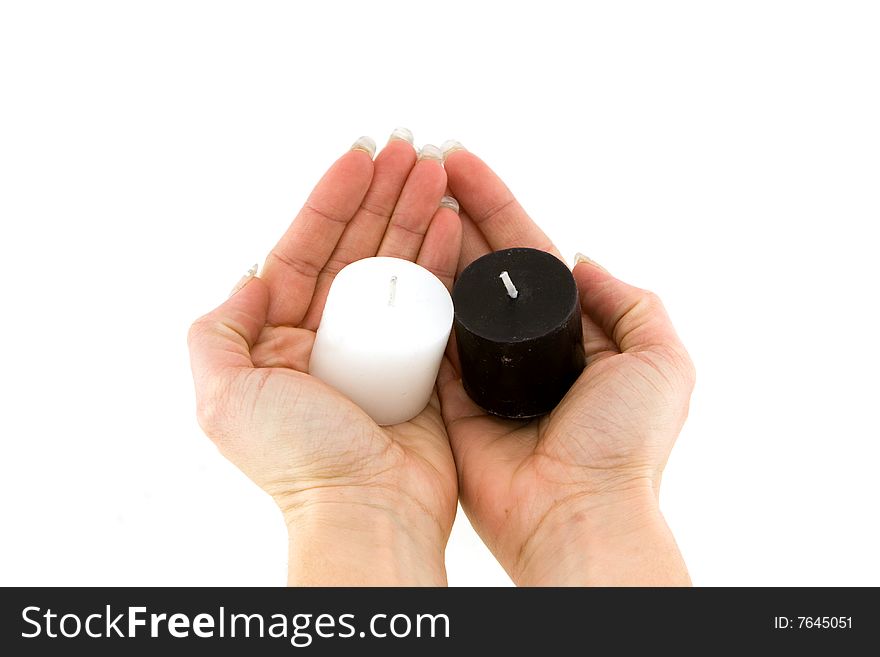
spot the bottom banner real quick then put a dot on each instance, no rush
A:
(112, 621)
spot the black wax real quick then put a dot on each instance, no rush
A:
(518, 356)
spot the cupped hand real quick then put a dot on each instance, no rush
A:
(364, 504)
(571, 497)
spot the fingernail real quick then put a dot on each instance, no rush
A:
(365, 144)
(580, 257)
(430, 152)
(449, 202)
(245, 279)
(450, 146)
(404, 134)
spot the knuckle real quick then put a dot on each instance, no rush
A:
(336, 264)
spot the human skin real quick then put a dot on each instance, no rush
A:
(364, 504)
(567, 499)
(572, 498)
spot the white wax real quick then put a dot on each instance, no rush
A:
(382, 336)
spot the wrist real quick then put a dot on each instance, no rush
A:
(336, 538)
(617, 538)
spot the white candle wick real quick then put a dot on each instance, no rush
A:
(393, 290)
(512, 292)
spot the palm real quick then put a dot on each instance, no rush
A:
(518, 473)
(343, 447)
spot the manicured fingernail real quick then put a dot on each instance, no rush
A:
(449, 202)
(404, 134)
(365, 144)
(580, 257)
(450, 146)
(430, 152)
(245, 279)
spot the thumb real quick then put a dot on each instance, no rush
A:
(222, 339)
(633, 318)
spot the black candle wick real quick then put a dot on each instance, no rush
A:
(512, 292)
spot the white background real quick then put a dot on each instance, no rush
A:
(726, 155)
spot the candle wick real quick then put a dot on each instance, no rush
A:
(512, 292)
(393, 290)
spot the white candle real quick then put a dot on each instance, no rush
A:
(382, 336)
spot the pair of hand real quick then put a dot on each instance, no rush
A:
(568, 498)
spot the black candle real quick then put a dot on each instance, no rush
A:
(518, 331)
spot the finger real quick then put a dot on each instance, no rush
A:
(287, 347)
(416, 206)
(473, 244)
(491, 205)
(442, 245)
(633, 318)
(597, 345)
(364, 232)
(292, 268)
(222, 339)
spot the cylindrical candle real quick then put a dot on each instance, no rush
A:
(518, 331)
(382, 336)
